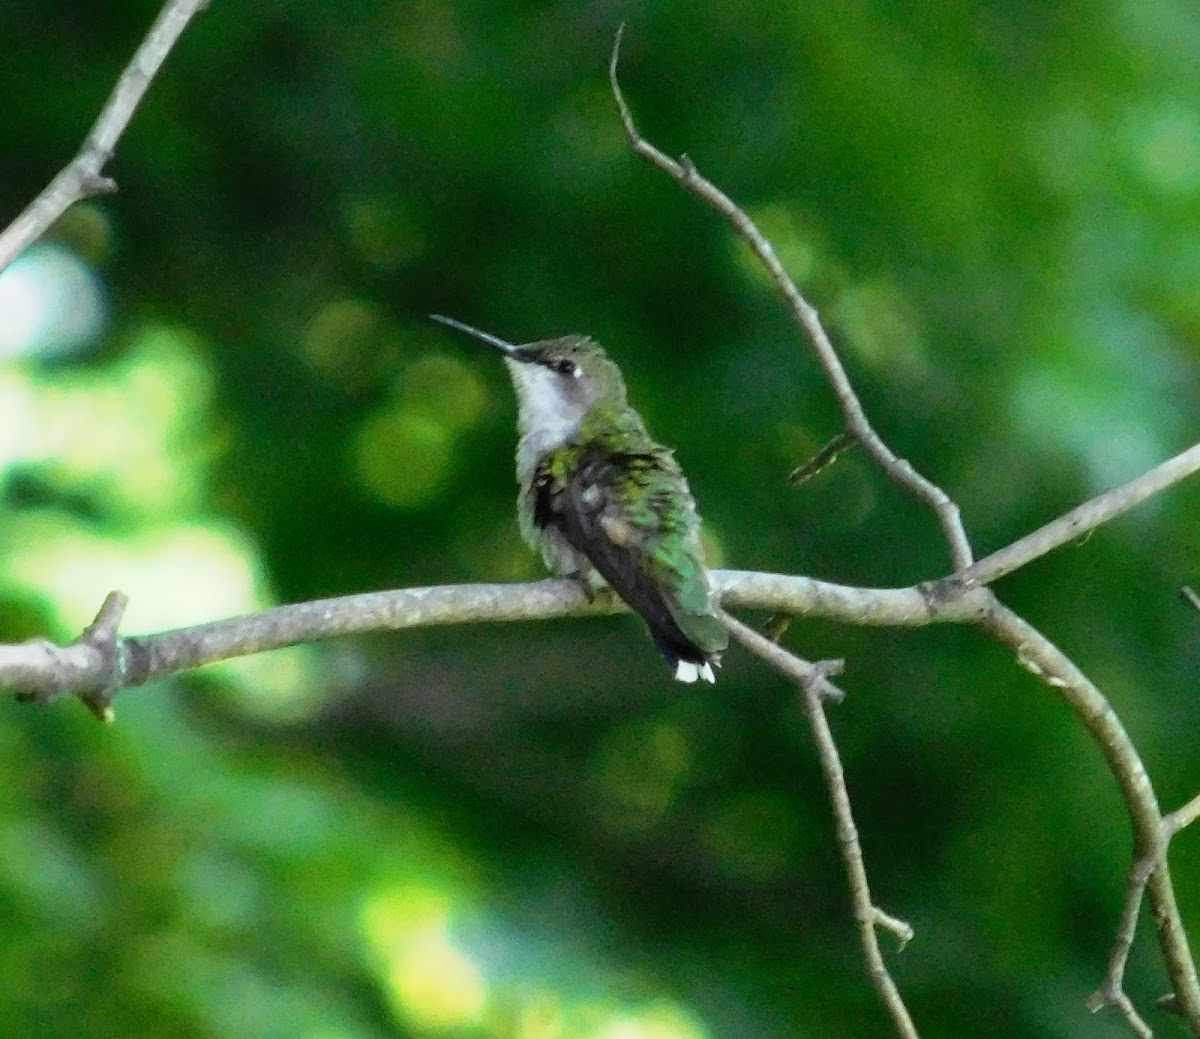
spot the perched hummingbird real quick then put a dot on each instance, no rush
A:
(605, 503)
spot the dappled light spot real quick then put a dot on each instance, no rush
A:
(129, 435)
(442, 386)
(384, 231)
(167, 374)
(638, 771)
(174, 576)
(342, 336)
(281, 687)
(51, 303)
(1164, 144)
(404, 458)
(661, 1021)
(881, 326)
(540, 1013)
(752, 835)
(429, 980)
(20, 409)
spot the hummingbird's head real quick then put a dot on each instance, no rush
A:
(558, 382)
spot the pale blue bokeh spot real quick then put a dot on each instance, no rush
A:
(51, 303)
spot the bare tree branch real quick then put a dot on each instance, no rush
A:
(813, 682)
(84, 175)
(1039, 655)
(685, 172)
(1068, 527)
(101, 662)
(41, 671)
(1033, 650)
(791, 666)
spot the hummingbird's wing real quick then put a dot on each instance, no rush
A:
(633, 517)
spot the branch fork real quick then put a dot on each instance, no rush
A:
(100, 662)
(93, 668)
(84, 176)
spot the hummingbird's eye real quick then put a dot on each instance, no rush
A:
(565, 366)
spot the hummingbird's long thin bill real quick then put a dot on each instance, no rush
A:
(486, 337)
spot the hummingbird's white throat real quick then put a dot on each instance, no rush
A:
(551, 406)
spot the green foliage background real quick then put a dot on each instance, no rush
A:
(530, 831)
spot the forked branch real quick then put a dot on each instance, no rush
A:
(812, 680)
(1074, 524)
(1033, 649)
(101, 662)
(84, 175)
(97, 670)
(685, 173)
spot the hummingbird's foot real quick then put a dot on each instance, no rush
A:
(591, 583)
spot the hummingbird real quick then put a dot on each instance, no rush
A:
(605, 503)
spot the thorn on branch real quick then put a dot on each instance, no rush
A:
(902, 929)
(93, 184)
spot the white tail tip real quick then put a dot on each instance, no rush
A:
(686, 671)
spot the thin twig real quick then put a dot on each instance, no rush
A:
(800, 671)
(84, 175)
(1182, 817)
(902, 929)
(1112, 993)
(899, 470)
(822, 460)
(1086, 517)
(812, 681)
(1032, 648)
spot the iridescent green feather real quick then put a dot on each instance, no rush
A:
(651, 496)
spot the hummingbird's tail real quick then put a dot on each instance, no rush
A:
(686, 671)
(689, 660)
